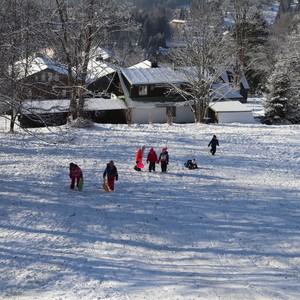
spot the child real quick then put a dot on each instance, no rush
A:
(139, 158)
(75, 175)
(152, 159)
(112, 174)
(213, 143)
(191, 164)
(164, 159)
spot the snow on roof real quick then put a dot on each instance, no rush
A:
(245, 82)
(45, 106)
(146, 76)
(33, 65)
(62, 105)
(98, 69)
(224, 91)
(270, 12)
(229, 106)
(144, 64)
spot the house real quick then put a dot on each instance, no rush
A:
(100, 72)
(42, 78)
(40, 113)
(226, 79)
(147, 95)
(229, 112)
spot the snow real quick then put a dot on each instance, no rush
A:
(228, 230)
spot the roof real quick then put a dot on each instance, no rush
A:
(147, 76)
(98, 69)
(229, 106)
(225, 91)
(144, 64)
(62, 105)
(33, 65)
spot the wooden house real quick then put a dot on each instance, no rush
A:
(146, 92)
(43, 78)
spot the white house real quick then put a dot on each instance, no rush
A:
(230, 112)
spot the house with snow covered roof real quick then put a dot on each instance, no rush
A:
(40, 113)
(43, 78)
(47, 92)
(146, 91)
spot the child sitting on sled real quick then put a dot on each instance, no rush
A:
(191, 164)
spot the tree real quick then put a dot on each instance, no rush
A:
(206, 55)
(241, 12)
(257, 54)
(17, 40)
(77, 30)
(277, 104)
(283, 104)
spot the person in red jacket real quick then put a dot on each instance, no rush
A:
(75, 175)
(139, 158)
(152, 159)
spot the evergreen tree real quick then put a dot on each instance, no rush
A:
(257, 58)
(277, 104)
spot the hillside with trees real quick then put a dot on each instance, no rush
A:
(137, 30)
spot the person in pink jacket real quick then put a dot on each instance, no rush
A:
(152, 159)
(75, 175)
(139, 158)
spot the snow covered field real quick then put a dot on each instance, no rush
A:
(229, 230)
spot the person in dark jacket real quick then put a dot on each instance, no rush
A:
(164, 159)
(75, 175)
(213, 143)
(191, 164)
(152, 159)
(111, 173)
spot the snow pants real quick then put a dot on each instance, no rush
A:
(213, 150)
(164, 166)
(73, 180)
(111, 183)
(151, 166)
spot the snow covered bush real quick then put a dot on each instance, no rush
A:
(81, 123)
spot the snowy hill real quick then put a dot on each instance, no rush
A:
(228, 230)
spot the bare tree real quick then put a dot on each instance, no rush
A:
(17, 40)
(206, 54)
(78, 28)
(241, 12)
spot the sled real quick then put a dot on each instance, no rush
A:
(80, 184)
(105, 187)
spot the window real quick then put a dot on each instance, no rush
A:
(143, 91)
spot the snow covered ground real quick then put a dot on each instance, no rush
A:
(229, 230)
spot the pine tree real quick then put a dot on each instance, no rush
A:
(277, 104)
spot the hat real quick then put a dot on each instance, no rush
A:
(72, 165)
(111, 162)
